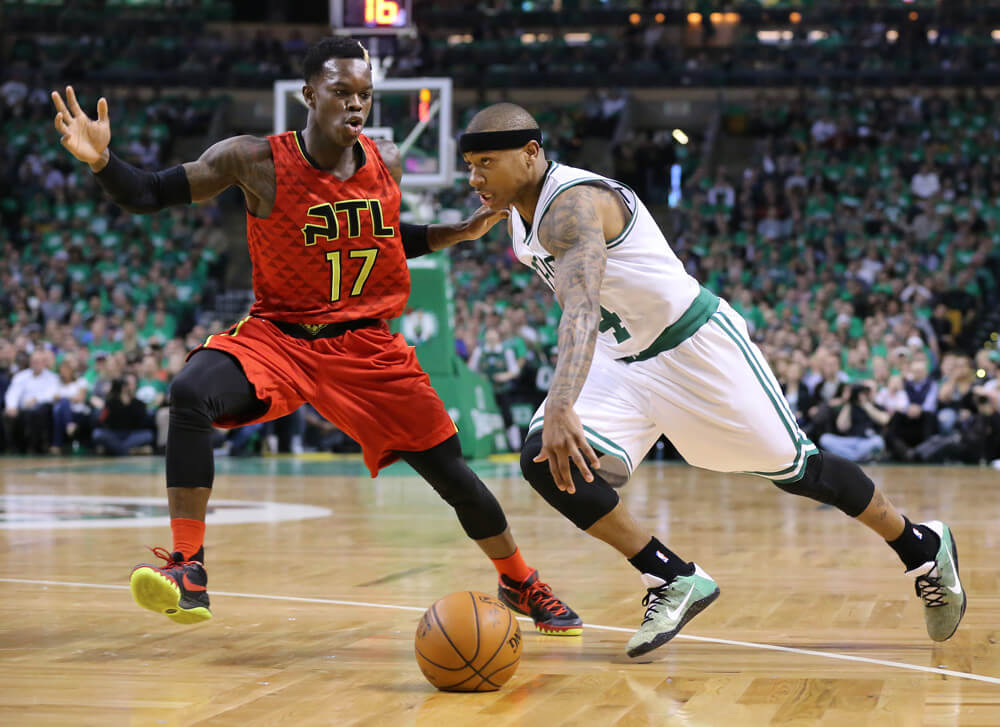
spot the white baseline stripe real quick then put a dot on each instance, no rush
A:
(704, 639)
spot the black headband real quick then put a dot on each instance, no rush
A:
(495, 140)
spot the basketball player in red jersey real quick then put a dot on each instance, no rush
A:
(329, 267)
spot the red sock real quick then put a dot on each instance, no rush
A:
(513, 566)
(189, 535)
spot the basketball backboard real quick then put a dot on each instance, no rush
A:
(415, 113)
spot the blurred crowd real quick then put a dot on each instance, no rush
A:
(859, 236)
(537, 43)
(97, 306)
(860, 240)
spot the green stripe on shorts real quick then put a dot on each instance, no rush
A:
(596, 440)
(801, 445)
(761, 373)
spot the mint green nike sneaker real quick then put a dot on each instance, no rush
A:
(938, 586)
(669, 606)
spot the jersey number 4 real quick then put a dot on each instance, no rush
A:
(368, 255)
(611, 322)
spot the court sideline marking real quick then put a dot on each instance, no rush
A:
(705, 639)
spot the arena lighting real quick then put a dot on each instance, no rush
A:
(732, 18)
(674, 197)
(660, 17)
(995, 34)
(680, 137)
(577, 38)
(715, 17)
(424, 107)
(913, 15)
(634, 18)
(980, 373)
(932, 35)
(773, 37)
(694, 18)
(795, 17)
(892, 35)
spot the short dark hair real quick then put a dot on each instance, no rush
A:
(339, 46)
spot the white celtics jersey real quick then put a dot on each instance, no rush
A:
(645, 288)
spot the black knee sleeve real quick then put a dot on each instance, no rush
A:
(833, 480)
(211, 385)
(443, 467)
(590, 502)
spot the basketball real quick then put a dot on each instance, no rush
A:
(468, 642)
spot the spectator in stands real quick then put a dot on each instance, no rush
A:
(980, 443)
(323, 436)
(956, 401)
(796, 392)
(828, 394)
(925, 183)
(124, 422)
(6, 373)
(71, 413)
(915, 424)
(857, 428)
(28, 404)
(499, 364)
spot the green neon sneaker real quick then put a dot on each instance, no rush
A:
(938, 585)
(669, 606)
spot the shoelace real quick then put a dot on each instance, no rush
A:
(653, 598)
(165, 555)
(929, 588)
(541, 594)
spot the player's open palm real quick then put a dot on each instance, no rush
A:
(564, 444)
(482, 221)
(84, 137)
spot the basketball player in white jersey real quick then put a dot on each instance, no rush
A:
(644, 350)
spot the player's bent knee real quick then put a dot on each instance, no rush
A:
(186, 392)
(833, 480)
(590, 502)
(189, 408)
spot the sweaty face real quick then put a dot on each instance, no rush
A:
(340, 98)
(499, 175)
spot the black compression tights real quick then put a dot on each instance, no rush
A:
(210, 386)
(443, 467)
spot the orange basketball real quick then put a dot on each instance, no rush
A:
(468, 642)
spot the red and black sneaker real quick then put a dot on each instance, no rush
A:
(533, 598)
(177, 589)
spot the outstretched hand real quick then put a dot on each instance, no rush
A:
(482, 221)
(83, 137)
(564, 444)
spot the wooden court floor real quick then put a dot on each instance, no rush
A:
(316, 606)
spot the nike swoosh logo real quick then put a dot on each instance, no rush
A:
(677, 611)
(188, 585)
(953, 589)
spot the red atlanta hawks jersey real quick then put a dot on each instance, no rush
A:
(330, 250)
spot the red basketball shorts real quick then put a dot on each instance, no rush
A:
(367, 382)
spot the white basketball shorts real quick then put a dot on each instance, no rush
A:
(713, 395)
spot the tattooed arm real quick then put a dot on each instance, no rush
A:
(573, 231)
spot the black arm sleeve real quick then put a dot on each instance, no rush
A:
(139, 191)
(415, 241)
